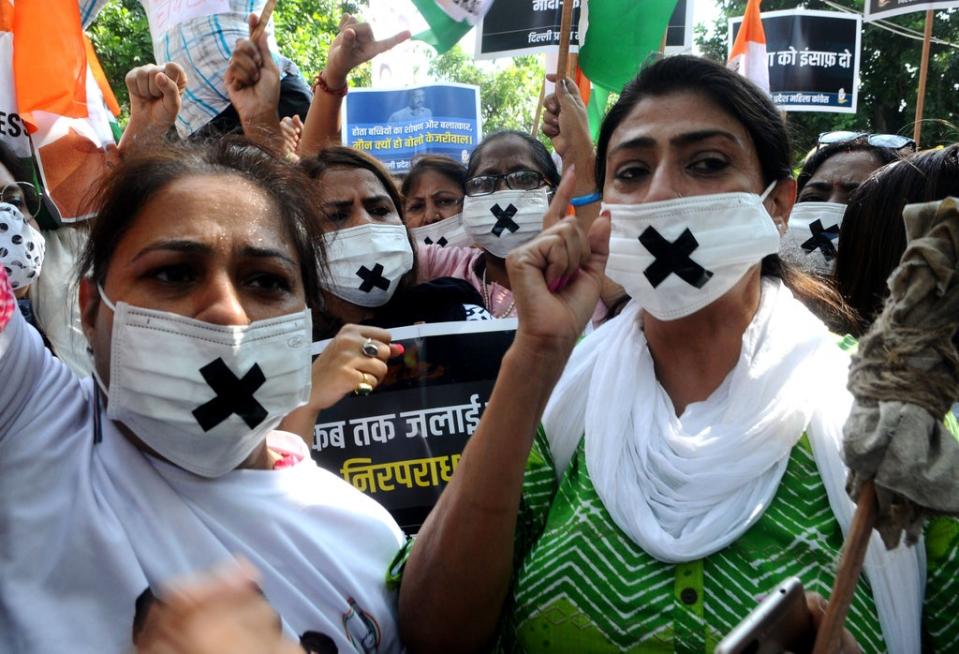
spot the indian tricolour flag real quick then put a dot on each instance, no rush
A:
(748, 56)
(62, 100)
(449, 20)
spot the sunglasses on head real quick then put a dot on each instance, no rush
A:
(890, 141)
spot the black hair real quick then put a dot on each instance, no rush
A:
(10, 161)
(729, 91)
(541, 157)
(821, 155)
(873, 236)
(755, 111)
(124, 192)
(445, 166)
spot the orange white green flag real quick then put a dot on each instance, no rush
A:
(748, 55)
(63, 100)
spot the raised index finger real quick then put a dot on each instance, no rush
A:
(561, 198)
(391, 42)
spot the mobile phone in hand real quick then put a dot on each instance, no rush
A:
(780, 623)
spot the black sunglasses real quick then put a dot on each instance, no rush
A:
(889, 141)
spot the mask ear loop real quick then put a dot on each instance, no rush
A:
(780, 224)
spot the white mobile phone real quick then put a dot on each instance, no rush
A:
(780, 623)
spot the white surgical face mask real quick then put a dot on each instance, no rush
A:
(367, 262)
(502, 221)
(447, 233)
(21, 247)
(204, 396)
(677, 256)
(812, 236)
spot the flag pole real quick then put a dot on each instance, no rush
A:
(539, 109)
(565, 32)
(264, 19)
(923, 74)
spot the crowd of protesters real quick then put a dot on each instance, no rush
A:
(662, 444)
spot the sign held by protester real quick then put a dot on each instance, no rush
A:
(522, 27)
(813, 59)
(395, 125)
(878, 9)
(401, 444)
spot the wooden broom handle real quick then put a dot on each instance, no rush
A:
(850, 566)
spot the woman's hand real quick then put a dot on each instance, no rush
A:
(556, 278)
(154, 102)
(343, 365)
(354, 45)
(253, 84)
(817, 604)
(220, 611)
(566, 123)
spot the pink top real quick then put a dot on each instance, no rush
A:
(434, 261)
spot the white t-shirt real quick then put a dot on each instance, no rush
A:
(86, 527)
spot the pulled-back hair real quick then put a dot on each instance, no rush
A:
(873, 236)
(338, 156)
(445, 166)
(140, 176)
(544, 162)
(731, 92)
(753, 109)
(821, 155)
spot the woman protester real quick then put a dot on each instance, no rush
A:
(369, 282)
(873, 236)
(688, 457)
(510, 179)
(837, 166)
(433, 201)
(168, 462)
(22, 245)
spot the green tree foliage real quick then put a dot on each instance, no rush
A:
(304, 30)
(508, 94)
(889, 73)
(121, 37)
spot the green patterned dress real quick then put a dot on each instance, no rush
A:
(583, 586)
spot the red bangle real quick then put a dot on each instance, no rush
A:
(320, 83)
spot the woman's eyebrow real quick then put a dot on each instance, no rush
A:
(175, 245)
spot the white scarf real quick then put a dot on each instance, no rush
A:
(682, 489)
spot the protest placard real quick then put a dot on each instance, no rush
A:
(394, 125)
(521, 27)
(877, 9)
(401, 444)
(813, 59)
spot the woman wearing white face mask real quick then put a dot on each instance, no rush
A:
(839, 164)
(368, 283)
(688, 457)
(509, 179)
(433, 202)
(195, 294)
(22, 245)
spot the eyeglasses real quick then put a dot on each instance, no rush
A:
(890, 141)
(22, 195)
(518, 180)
